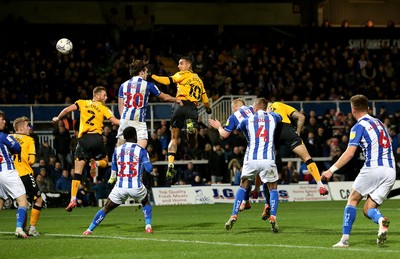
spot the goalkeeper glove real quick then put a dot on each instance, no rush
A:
(208, 110)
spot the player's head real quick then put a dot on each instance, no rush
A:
(21, 125)
(260, 104)
(359, 103)
(237, 103)
(2, 120)
(129, 134)
(100, 94)
(139, 67)
(185, 63)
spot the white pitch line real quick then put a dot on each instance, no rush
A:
(216, 243)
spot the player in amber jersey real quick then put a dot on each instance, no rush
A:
(291, 137)
(90, 145)
(23, 164)
(190, 89)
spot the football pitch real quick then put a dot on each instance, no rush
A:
(307, 230)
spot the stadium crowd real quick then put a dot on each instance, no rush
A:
(308, 71)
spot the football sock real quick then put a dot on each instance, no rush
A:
(313, 169)
(102, 163)
(21, 216)
(274, 200)
(238, 200)
(374, 214)
(246, 197)
(266, 193)
(98, 218)
(348, 219)
(35, 214)
(76, 181)
(147, 213)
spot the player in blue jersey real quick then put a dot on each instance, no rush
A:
(129, 161)
(10, 182)
(240, 111)
(259, 159)
(133, 97)
(376, 177)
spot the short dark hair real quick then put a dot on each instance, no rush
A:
(262, 103)
(98, 89)
(188, 59)
(136, 66)
(359, 102)
(129, 134)
(2, 114)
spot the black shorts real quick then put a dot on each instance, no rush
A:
(90, 146)
(286, 135)
(181, 113)
(31, 188)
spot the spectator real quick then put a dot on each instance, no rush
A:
(44, 181)
(100, 189)
(45, 151)
(36, 170)
(61, 143)
(235, 171)
(64, 182)
(217, 165)
(110, 132)
(56, 173)
(190, 173)
(202, 140)
(152, 153)
(155, 142)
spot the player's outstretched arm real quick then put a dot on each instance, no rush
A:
(162, 79)
(65, 111)
(216, 124)
(169, 98)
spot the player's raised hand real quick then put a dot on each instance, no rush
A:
(214, 123)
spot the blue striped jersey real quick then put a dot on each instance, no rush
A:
(135, 93)
(372, 136)
(259, 131)
(234, 120)
(129, 161)
(8, 145)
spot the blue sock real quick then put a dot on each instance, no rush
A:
(348, 219)
(147, 213)
(274, 200)
(21, 216)
(374, 214)
(240, 194)
(98, 218)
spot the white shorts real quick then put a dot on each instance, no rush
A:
(3, 194)
(11, 183)
(265, 168)
(141, 128)
(120, 195)
(375, 182)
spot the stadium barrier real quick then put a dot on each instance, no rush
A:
(225, 193)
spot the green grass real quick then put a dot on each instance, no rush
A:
(307, 230)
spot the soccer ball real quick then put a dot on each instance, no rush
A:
(64, 46)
